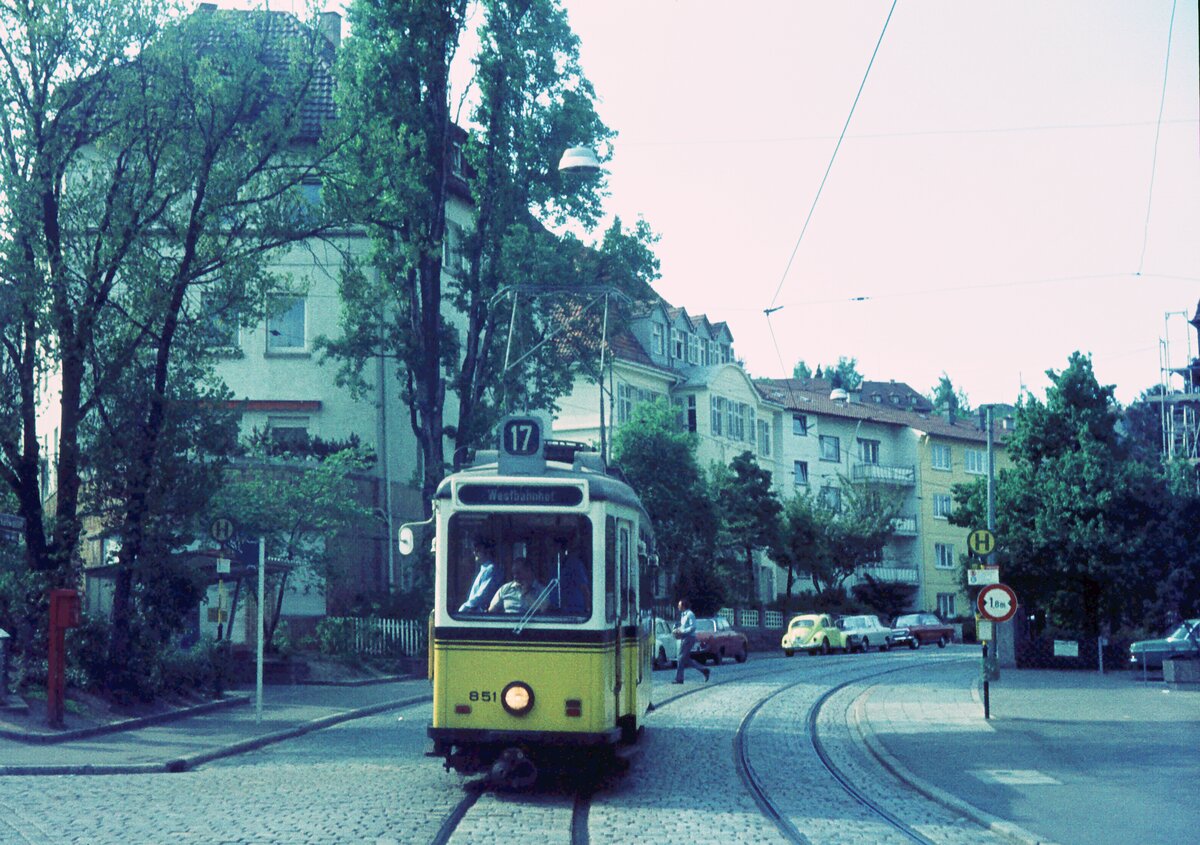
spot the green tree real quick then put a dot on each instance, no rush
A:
(802, 371)
(1081, 527)
(828, 540)
(949, 401)
(300, 508)
(750, 511)
(397, 174)
(659, 461)
(150, 164)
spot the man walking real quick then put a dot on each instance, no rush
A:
(685, 632)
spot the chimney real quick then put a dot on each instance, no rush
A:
(207, 7)
(331, 26)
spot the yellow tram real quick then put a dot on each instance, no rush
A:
(539, 648)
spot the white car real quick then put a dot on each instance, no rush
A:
(666, 647)
(864, 632)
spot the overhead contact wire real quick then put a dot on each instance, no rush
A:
(836, 147)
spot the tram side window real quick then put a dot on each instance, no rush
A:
(610, 569)
(623, 557)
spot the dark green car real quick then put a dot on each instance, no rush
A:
(1185, 639)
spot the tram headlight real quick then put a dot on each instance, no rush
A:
(517, 698)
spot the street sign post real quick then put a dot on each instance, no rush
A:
(982, 576)
(981, 542)
(997, 602)
(222, 529)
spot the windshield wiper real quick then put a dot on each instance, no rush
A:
(537, 605)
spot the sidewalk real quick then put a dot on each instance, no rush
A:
(197, 737)
(1067, 757)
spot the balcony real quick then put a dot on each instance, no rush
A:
(904, 526)
(897, 574)
(884, 474)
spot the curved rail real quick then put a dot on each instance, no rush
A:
(767, 804)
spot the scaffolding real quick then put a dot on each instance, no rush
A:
(1179, 394)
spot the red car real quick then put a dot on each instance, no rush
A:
(917, 629)
(716, 640)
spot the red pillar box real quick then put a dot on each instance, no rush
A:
(64, 613)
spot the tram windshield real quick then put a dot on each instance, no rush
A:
(500, 566)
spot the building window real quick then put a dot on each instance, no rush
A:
(726, 353)
(975, 461)
(677, 344)
(220, 323)
(800, 473)
(624, 403)
(658, 338)
(454, 255)
(285, 323)
(687, 412)
(945, 555)
(941, 505)
(693, 349)
(764, 438)
(945, 605)
(800, 425)
(717, 404)
(831, 497)
(288, 434)
(831, 448)
(940, 455)
(868, 451)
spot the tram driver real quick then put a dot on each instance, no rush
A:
(487, 579)
(519, 594)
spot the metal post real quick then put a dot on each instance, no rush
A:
(258, 669)
(603, 349)
(987, 703)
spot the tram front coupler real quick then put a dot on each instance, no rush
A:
(513, 769)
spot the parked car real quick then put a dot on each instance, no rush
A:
(716, 639)
(917, 629)
(666, 647)
(863, 632)
(812, 632)
(1185, 639)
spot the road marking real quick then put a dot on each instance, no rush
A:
(1016, 777)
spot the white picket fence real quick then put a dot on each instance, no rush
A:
(385, 636)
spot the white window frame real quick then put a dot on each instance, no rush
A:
(717, 418)
(800, 473)
(944, 555)
(868, 451)
(800, 425)
(658, 338)
(940, 456)
(945, 605)
(831, 497)
(837, 448)
(678, 344)
(764, 438)
(275, 343)
(975, 461)
(943, 505)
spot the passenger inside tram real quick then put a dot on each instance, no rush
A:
(519, 594)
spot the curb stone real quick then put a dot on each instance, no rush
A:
(191, 761)
(862, 722)
(38, 738)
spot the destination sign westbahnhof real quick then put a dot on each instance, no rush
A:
(520, 495)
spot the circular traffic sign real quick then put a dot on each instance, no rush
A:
(997, 602)
(981, 541)
(221, 529)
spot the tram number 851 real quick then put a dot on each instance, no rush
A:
(476, 695)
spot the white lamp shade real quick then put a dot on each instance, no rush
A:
(579, 160)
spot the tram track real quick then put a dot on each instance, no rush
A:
(567, 807)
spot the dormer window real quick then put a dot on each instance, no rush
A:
(658, 338)
(677, 344)
(693, 349)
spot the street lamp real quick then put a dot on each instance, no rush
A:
(579, 160)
